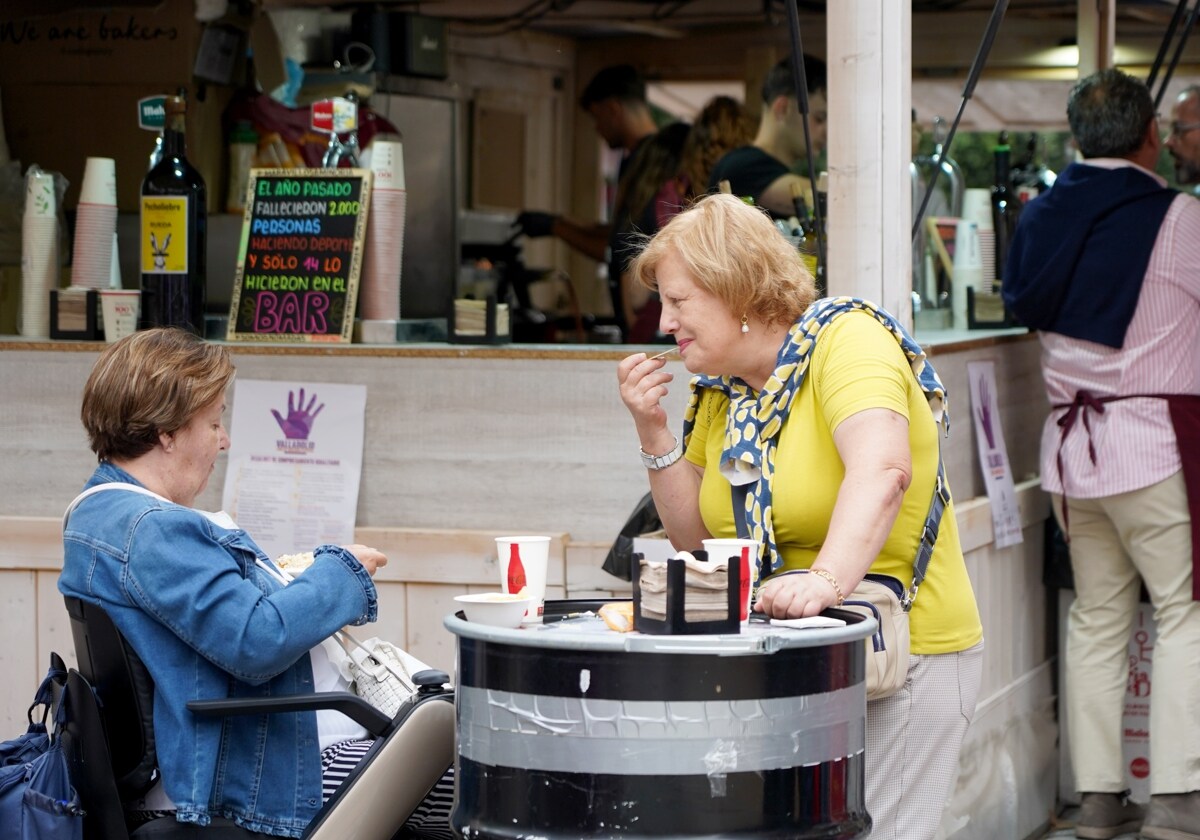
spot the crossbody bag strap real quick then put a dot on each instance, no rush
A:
(740, 491)
(347, 642)
(929, 533)
(111, 485)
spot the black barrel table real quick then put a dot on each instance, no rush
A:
(568, 730)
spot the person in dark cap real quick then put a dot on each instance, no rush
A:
(616, 100)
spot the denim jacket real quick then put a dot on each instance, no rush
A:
(208, 623)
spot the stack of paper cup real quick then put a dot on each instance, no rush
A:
(114, 274)
(39, 253)
(977, 206)
(380, 292)
(968, 269)
(95, 224)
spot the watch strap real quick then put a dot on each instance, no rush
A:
(661, 462)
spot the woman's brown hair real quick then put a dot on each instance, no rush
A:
(149, 383)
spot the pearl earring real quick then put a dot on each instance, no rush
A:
(745, 326)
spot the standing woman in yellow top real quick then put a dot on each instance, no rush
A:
(848, 478)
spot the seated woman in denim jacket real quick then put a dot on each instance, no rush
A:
(185, 590)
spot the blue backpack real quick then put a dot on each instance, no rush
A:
(37, 800)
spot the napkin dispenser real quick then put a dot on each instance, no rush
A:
(675, 622)
(75, 315)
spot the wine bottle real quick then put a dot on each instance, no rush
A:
(821, 199)
(516, 570)
(805, 232)
(1030, 177)
(1005, 207)
(174, 232)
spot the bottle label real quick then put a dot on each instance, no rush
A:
(152, 113)
(334, 116)
(164, 234)
(516, 571)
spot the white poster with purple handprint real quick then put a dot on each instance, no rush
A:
(993, 455)
(295, 462)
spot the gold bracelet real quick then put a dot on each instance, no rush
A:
(828, 576)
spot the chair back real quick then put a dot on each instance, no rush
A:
(111, 666)
(89, 763)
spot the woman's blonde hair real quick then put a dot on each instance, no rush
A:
(149, 383)
(736, 253)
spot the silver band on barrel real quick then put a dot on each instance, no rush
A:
(658, 737)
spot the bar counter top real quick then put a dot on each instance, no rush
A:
(939, 342)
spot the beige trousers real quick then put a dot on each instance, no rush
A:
(913, 739)
(1117, 543)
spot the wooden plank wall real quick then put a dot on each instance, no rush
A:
(464, 444)
(427, 568)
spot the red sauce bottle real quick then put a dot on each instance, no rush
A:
(516, 570)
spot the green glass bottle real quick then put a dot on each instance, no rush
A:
(174, 232)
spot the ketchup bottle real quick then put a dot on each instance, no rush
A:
(516, 570)
(744, 583)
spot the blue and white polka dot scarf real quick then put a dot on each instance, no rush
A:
(754, 420)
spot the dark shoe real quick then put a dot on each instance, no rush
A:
(1103, 816)
(1173, 816)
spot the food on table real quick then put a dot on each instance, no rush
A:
(618, 616)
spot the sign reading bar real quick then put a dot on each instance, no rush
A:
(300, 255)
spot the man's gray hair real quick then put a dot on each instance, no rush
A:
(1108, 112)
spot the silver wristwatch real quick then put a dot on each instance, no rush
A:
(661, 462)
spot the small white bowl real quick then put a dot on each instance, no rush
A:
(494, 608)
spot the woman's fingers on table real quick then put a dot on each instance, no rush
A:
(794, 596)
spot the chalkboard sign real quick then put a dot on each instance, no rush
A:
(300, 255)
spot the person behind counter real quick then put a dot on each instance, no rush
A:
(720, 126)
(1106, 267)
(762, 171)
(187, 592)
(1183, 137)
(616, 100)
(853, 468)
(641, 194)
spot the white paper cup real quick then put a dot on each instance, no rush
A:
(120, 308)
(99, 182)
(746, 552)
(40, 198)
(387, 164)
(534, 553)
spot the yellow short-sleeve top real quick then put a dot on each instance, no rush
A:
(856, 365)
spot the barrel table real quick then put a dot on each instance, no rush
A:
(569, 730)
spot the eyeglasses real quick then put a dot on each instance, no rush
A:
(1180, 129)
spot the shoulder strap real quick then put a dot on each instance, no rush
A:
(112, 485)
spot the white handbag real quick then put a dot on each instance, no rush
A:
(379, 671)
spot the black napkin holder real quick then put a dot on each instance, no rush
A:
(675, 623)
(75, 315)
